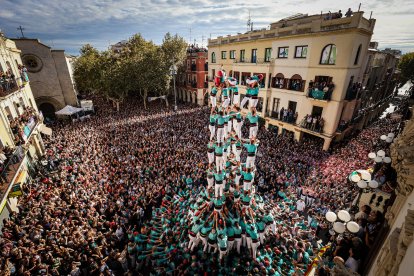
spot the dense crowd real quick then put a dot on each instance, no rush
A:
(115, 195)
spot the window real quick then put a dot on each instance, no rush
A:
(242, 55)
(275, 108)
(232, 54)
(254, 56)
(292, 106)
(223, 54)
(317, 111)
(259, 106)
(268, 54)
(329, 54)
(283, 52)
(213, 57)
(213, 74)
(357, 54)
(301, 51)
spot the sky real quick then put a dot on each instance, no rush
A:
(70, 24)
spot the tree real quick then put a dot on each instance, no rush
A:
(406, 65)
(174, 48)
(86, 72)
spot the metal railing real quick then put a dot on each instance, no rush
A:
(10, 167)
(255, 60)
(8, 86)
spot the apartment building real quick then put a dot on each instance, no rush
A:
(310, 64)
(20, 126)
(192, 81)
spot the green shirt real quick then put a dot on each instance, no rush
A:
(222, 243)
(251, 148)
(252, 119)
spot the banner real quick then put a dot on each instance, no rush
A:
(150, 99)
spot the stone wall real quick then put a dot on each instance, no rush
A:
(392, 259)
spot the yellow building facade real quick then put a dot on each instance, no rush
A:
(309, 64)
(20, 125)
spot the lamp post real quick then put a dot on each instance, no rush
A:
(364, 181)
(344, 224)
(173, 72)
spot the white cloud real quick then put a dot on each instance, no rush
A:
(112, 20)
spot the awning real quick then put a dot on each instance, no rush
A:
(45, 130)
(21, 178)
(68, 110)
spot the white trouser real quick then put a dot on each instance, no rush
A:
(204, 241)
(212, 246)
(237, 179)
(196, 240)
(225, 157)
(250, 161)
(210, 156)
(252, 102)
(235, 125)
(218, 189)
(247, 185)
(244, 240)
(212, 131)
(254, 246)
(253, 131)
(192, 241)
(213, 100)
(229, 126)
(226, 102)
(222, 253)
(249, 242)
(236, 98)
(230, 245)
(244, 101)
(210, 182)
(239, 129)
(219, 163)
(238, 244)
(220, 134)
(226, 130)
(262, 237)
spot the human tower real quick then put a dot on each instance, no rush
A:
(228, 215)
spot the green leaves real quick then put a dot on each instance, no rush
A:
(139, 66)
(406, 65)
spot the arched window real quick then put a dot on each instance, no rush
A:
(213, 57)
(329, 54)
(279, 81)
(296, 83)
(357, 54)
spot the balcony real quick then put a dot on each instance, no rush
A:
(294, 84)
(8, 86)
(319, 94)
(254, 61)
(13, 160)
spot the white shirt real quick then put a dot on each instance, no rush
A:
(352, 264)
(300, 205)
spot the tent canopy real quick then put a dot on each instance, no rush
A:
(68, 110)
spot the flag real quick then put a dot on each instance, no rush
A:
(150, 99)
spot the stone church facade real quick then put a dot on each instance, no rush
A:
(50, 74)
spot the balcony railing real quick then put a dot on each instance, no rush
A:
(8, 86)
(255, 60)
(289, 84)
(319, 94)
(11, 165)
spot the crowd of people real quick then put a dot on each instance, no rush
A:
(313, 122)
(120, 192)
(8, 80)
(22, 125)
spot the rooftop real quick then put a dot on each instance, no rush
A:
(300, 24)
